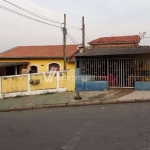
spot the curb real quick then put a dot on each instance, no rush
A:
(77, 104)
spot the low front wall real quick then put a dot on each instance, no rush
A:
(14, 84)
(32, 84)
(47, 81)
(84, 83)
(142, 86)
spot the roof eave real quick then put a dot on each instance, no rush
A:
(32, 57)
(7, 64)
(113, 43)
(71, 61)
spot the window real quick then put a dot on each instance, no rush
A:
(54, 67)
(33, 69)
(10, 70)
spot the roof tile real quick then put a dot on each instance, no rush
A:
(40, 51)
(117, 39)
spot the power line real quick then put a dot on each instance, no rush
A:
(33, 13)
(71, 37)
(74, 27)
(38, 15)
(17, 13)
(86, 41)
(87, 38)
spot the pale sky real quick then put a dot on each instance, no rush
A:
(102, 18)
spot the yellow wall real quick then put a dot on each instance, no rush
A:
(42, 65)
(48, 83)
(68, 80)
(14, 84)
(63, 80)
(71, 80)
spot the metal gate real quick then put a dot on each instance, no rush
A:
(121, 73)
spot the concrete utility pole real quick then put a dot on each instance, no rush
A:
(83, 33)
(64, 37)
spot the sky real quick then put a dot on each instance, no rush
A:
(103, 18)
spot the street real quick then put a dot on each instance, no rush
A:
(107, 127)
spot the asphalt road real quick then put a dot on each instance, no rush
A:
(110, 127)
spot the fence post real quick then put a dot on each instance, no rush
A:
(29, 82)
(58, 79)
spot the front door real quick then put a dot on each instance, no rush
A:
(121, 73)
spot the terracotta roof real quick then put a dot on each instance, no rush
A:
(52, 51)
(72, 58)
(116, 39)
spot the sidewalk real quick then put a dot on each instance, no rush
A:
(67, 99)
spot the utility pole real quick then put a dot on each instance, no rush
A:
(83, 33)
(64, 44)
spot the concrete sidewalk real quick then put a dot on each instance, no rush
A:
(67, 99)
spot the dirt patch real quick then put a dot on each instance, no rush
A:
(98, 97)
(111, 94)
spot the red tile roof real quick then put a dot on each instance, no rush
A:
(52, 51)
(72, 58)
(117, 39)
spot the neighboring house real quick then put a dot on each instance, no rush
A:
(36, 59)
(114, 62)
(116, 41)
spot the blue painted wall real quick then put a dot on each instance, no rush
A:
(89, 85)
(142, 86)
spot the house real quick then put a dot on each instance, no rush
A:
(113, 62)
(116, 41)
(36, 59)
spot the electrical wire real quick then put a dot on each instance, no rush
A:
(17, 13)
(87, 38)
(33, 13)
(74, 27)
(72, 39)
(86, 41)
(38, 15)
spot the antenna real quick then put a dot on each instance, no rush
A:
(142, 35)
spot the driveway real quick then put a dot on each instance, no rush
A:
(68, 97)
